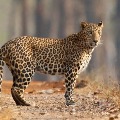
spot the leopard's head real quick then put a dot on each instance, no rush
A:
(91, 34)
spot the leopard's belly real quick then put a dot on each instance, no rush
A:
(52, 69)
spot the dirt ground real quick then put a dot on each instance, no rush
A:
(48, 103)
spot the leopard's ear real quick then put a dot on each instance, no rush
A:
(83, 25)
(100, 24)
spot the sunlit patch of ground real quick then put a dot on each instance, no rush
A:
(94, 101)
(34, 86)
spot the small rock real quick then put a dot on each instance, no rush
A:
(50, 91)
(33, 104)
(42, 113)
(41, 92)
(73, 112)
(114, 110)
(111, 118)
(20, 113)
(97, 92)
(90, 94)
(36, 106)
(105, 113)
(97, 103)
(57, 89)
(31, 92)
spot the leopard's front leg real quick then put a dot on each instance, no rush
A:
(70, 81)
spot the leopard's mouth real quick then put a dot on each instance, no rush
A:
(94, 44)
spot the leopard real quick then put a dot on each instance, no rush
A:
(68, 56)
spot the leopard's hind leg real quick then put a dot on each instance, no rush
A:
(21, 80)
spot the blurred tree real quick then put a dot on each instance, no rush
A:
(24, 14)
(117, 35)
(42, 24)
(59, 18)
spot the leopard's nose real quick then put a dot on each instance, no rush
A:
(95, 41)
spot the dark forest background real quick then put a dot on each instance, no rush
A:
(60, 18)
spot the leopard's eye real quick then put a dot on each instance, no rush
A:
(90, 32)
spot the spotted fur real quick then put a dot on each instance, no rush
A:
(69, 57)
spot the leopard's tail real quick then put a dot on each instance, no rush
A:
(1, 68)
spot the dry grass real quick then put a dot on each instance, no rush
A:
(103, 91)
(108, 88)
